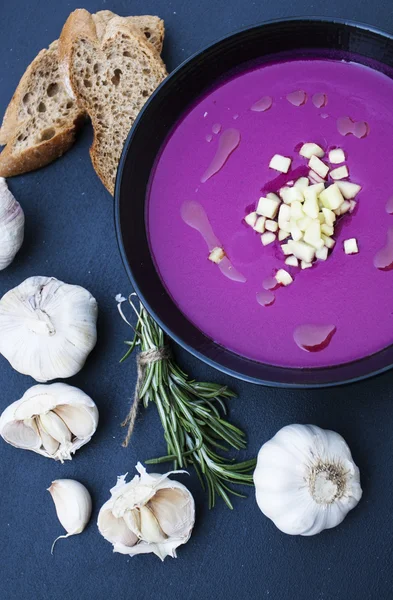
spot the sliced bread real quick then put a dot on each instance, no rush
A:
(43, 116)
(111, 78)
(41, 119)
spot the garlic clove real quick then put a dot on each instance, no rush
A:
(73, 506)
(49, 443)
(77, 419)
(22, 434)
(115, 530)
(55, 427)
(151, 531)
(173, 510)
(132, 519)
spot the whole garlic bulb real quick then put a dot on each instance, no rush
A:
(47, 328)
(53, 420)
(73, 506)
(151, 513)
(306, 480)
(12, 225)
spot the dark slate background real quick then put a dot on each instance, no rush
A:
(70, 235)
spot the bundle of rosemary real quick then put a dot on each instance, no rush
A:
(192, 413)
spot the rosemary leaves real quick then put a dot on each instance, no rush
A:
(192, 413)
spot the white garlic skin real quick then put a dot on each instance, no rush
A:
(73, 505)
(306, 480)
(12, 225)
(151, 513)
(47, 328)
(53, 420)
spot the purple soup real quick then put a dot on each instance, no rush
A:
(215, 165)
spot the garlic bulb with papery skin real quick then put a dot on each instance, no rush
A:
(53, 420)
(12, 225)
(73, 506)
(151, 513)
(306, 480)
(47, 328)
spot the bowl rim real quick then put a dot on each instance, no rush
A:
(118, 226)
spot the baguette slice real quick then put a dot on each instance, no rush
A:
(43, 116)
(111, 78)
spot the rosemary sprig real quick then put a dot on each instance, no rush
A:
(192, 415)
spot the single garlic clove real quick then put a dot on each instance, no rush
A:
(77, 419)
(173, 510)
(49, 443)
(21, 434)
(115, 530)
(12, 223)
(73, 506)
(151, 531)
(132, 519)
(55, 427)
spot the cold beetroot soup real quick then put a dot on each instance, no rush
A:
(281, 278)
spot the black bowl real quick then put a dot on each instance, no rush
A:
(161, 113)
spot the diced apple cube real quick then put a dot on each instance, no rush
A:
(353, 205)
(294, 195)
(328, 241)
(296, 210)
(296, 233)
(283, 193)
(348, 189)
(310, 206)
(283, 235)
(302, 183)
(339, 173)
(268, 238)
(303, 223)
(345, 207)
(331, 197)
(268, 207)
(292, 261)
(271, 225)
(314, 177)
(329, 216)
(336, 156)
(291, 194)
(273, 196)
(305, 265)
(260, 225)
(318, 166)
(312, 235)
(280, 163)
(286, 249)
(283, 217)
(327, 229)
(251, 219)
(310, 149)
(301, 250)
(283, 277)
(351, 246)
(216, 255)
(322, 253)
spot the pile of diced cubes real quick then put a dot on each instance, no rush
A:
(303, 214)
